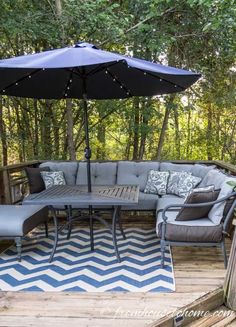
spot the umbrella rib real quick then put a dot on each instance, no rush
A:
(161, 78)
(102, 67)
(68, 84)
(16, 82)
(116, 80)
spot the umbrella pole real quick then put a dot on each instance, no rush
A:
(87, 151)
(87, 154)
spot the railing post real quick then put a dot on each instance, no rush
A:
(6, 187)
(230, 279)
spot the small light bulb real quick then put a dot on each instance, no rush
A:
(145, 73)
(16, 84)
(29, 76)
(114, 79)
(160, 80)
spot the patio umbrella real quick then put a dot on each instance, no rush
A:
(84, 71)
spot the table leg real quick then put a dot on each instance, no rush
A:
(69, 215)
(114, 221)
(91, 227)
(53, 211)
(120, 224)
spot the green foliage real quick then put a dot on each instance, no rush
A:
(192, 34)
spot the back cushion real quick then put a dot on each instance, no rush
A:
(102, 173)
(217, 211)
(213, 177)
(69, 169)
(165, 166)
(201, 170)
(135, 173)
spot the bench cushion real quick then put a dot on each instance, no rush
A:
(146, 202)
(201, 230)
(135, 173)
(102, 173)
(168, 199)
(69, 169)
(16, 220)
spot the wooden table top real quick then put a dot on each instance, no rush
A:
(106, 195)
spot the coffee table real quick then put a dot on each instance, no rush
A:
(104, 196)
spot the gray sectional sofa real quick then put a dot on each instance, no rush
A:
(207, 231)
(127, 172)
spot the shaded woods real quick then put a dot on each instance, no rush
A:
(193, 34)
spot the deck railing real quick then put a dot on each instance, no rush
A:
(14, 183)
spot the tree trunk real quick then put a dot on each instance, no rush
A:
(164, 127)
(46, 141)
(3, 135)
(144, 127)
(101, 138)
(70, 125)
(177, 134)
(36, 130)
(209, 133)
(188, 146)
(58, 7)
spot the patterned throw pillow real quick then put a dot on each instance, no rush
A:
(182, 183)
(157, 182)
(52, 178)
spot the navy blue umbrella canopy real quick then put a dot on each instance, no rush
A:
(85, 72)
(73, 71)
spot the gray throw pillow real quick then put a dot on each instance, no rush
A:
(157, 182)
(199, 212)
(182, 183)
(52, 178)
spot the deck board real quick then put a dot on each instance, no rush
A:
(197, 272)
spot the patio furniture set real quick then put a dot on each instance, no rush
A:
(198, 214)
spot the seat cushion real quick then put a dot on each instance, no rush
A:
(102, 173)
(69, 169)
(168, 199)
(201, 230)
(135, 173)
(146, 202)
(16, 220)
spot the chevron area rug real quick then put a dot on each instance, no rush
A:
(76, 268)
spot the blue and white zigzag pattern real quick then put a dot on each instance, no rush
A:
(76, 268)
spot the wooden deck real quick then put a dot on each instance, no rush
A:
(198, 273)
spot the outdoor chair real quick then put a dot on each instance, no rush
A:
(198, 232)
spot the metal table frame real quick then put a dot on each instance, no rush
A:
(115, 196)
